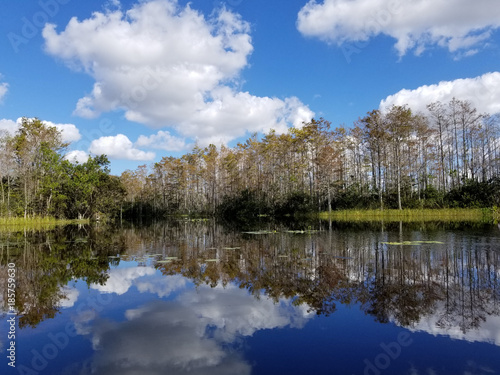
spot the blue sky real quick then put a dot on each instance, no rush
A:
(139, 80)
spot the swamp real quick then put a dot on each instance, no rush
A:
(195, 296)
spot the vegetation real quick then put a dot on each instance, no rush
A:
(36, 181)
(412, 215)
(448, 157)
(393, 272)
(47, 260)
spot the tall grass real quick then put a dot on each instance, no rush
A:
(412, 215)
(41, 222)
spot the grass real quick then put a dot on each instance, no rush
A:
(412, 215)
(14, 223)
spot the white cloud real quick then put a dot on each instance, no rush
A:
(121, 279)
(170, 66)
(77, 156)
(162, 140)
(416, 25)
(8, 126)
(483, 92)
(119, 147)
(69, 132)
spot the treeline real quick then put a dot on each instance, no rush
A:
(36, 180)
(447, 157)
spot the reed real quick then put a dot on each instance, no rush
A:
(39, 222)
(412, 215)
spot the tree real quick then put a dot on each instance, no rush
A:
(33, 144)
(91, 190)
(399, 125)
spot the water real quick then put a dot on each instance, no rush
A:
(197, 298)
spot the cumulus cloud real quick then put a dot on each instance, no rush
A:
(69, 132)
(483, 92)
(8, 126)
(170, 66)
(119, 147)
(458, 25)
(77, 156)
(162, 140)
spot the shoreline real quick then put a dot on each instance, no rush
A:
(414, 215)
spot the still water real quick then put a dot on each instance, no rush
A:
(198, 298)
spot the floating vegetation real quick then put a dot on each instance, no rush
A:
(283, 256)
(231, 248)
(163, 261)
(262, 232)
(338, 257)
(412, 243)
(171, 258)
(302, 231)
(211, 260)
(196, 220)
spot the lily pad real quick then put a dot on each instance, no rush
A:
(302, 231)
(412, 243)
(261, 232)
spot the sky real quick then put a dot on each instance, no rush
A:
(140, 80)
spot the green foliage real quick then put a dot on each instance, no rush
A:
(36, 180)
(475, 194)
(295, 203)
(244, 207)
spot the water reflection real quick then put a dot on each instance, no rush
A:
(46, 261)
(198, 332)
(191, 292)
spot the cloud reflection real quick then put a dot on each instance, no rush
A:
(198, 332)
(121, 279)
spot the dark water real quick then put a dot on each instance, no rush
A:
(196, 298)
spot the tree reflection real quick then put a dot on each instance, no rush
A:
(453, 278)
(46, 261)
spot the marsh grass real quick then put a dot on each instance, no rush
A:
(20, 223)
(412, 215)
